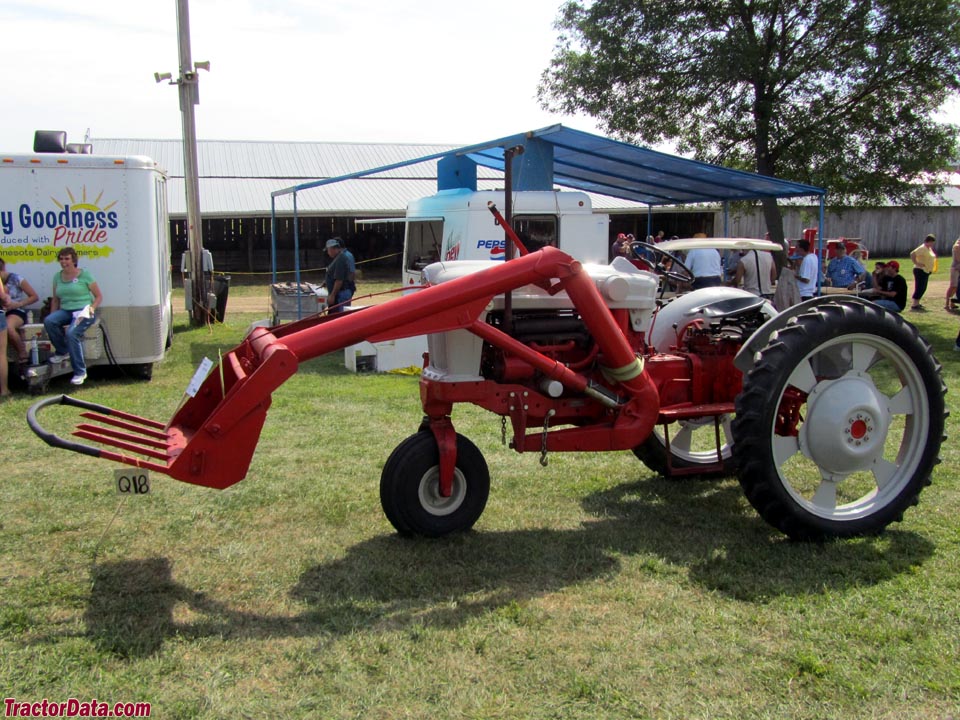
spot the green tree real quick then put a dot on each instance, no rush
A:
(836, 93)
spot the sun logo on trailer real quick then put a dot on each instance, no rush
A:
(81, 222)
(83, 204)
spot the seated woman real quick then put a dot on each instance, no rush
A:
(21, 294)
(4, 390)
(76, 297)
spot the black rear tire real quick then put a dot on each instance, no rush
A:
(409, 487)
(839, 423)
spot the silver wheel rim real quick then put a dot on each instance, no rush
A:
(865, 423)
(429, 492)
(688, 436)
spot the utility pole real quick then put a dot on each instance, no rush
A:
(188, 84)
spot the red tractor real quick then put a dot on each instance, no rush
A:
(830, 414)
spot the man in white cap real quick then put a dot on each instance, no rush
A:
(341, 276)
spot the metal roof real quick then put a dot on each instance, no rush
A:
(289, 161)
(238, 178)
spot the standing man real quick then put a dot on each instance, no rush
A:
(954, 277)
(620, 247)
(892, 288)
(924, 265)
(706, 267)
(809, 271)
(757, 272)
(341, 276)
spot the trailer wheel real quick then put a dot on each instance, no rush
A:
(839, 423)
(692, 445)
(141, 371)
(409, 487)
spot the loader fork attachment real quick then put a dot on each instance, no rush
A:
(211, 439)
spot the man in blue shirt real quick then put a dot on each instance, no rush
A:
(341, 276)
(843, 271)
(705, 265)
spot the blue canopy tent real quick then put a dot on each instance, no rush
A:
(557, 155)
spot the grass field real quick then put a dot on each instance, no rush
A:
(588, 589)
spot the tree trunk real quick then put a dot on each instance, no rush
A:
(774, 219)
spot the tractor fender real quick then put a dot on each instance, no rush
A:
(744, 360)
(672, 318)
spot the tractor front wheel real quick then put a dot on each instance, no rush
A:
(839, 423)
(410, 487)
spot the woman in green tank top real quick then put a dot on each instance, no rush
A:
(73, 307)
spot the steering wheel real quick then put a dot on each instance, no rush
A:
(674, 270)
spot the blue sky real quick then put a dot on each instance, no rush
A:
(341, 70)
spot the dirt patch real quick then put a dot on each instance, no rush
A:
(250, 304)
(260, 303)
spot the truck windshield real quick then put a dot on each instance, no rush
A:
(423, 243)
(536, 231)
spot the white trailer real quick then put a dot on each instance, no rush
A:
(113, 212)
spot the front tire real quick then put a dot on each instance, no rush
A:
(839, 423)
(410, 484)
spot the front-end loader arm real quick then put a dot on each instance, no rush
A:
(211, 439)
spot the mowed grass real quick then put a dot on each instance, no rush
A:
(588, 589)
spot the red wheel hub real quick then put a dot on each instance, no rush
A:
(858, 429)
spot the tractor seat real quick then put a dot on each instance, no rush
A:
(730, 307)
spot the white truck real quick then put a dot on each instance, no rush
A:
(113, 212)
(457, 225)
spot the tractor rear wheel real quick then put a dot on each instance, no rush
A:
(692, 445)
(410, 487)
(839, 423)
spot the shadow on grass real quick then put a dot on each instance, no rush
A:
(725, 546)
(130, 612)
(392, 582)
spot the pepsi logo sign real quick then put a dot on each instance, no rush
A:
(497, 248)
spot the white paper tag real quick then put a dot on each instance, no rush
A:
(199, 376)
(132, 481)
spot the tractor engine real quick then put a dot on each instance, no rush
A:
(560, 335)
(543, 321)
(694, 339)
